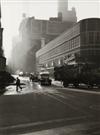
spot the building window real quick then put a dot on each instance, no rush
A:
(91, 25)
(97, 37)
(91, 37)
(84, 38)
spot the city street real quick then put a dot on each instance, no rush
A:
(49, 110)
(49, 67)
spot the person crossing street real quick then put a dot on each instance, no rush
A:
(18, 84)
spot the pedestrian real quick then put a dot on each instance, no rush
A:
(18, 84)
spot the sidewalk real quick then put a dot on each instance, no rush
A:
(82, 88)
(57, 83)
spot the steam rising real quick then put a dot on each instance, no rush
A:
(23, 54)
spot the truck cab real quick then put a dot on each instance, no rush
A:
(44, 78)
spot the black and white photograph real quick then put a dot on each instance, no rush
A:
(49, 67)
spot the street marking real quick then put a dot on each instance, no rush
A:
(65, 103)
(42, 122)
(80, 90)
(75, 129)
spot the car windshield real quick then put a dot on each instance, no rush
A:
(45, 75)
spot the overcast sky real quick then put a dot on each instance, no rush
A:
(12, 11)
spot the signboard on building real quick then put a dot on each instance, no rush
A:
(69, 59)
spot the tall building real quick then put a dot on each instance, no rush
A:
(35, 34)
(5, 77)
(80, 44)
(67, 15)
(62, 6)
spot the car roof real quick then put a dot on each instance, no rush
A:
(44, 73)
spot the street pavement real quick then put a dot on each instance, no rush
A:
(76, 129)
(53, 110)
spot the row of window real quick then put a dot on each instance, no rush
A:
(90, 25)
(68, 37)
(90, 38)
(91, 55)
(53, 63)
(65, 47)
(90, 52)
(71, 33)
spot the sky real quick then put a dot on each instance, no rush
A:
(12, 11)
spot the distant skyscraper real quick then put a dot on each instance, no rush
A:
(67, 15)
(62, 6)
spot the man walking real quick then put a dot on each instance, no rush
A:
(18, 84)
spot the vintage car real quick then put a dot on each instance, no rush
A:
(44, 78)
